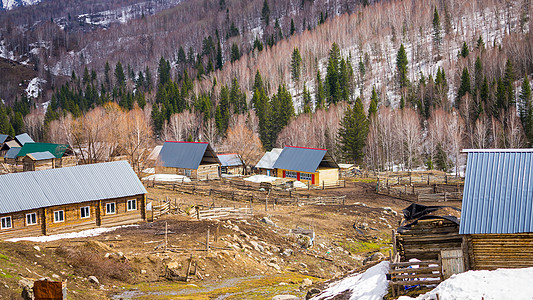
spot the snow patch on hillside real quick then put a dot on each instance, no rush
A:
(34, 87)
(489, 285)
(10, 4)
(369, 285)
(70, 235)
(4, 53)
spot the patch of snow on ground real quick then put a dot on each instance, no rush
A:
(4, 53)
(299, 184)
(261, 178)
(34, 87)
(149, 170)
(167, 178)
(70, 235)
(370, 285)
(489, 285)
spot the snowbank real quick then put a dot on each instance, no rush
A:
(261, 178)
(70, 235)
(167, 178)
(370, 285)
(499, 284)
(34, 87)
(149, 171)
(299, 184)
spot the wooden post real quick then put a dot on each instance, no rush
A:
(446, 178)
(410, 179)
(188, 269)
(207, 241)
(394, 249)
(428, 178)
(217, 232)
(323, 186)
(166, 235)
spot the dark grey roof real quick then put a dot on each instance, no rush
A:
(41, 155)
(12, 152)
(269, 159)
(3, 137)
(303, 159)
(187, 155)
(230, 159)
(498, 192)
(23, 139)
(68, 185)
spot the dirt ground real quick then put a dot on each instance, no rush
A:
(247, 259)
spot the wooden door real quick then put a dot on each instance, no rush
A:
(452, 262)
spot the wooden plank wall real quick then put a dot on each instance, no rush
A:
(492, 251)
(428, 238)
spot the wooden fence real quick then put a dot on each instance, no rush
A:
(311, 200)
(414, 273)
(220, 213)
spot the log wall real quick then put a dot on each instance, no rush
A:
(492, 251)
(72, 220)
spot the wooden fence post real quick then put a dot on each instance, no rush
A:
(207, 241)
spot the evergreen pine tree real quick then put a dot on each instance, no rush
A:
(508, 81)
(181, 55)
(265, 13)
(353, 132)
(296, 65)
(437, 39)
(293, 28)
(401, 66)
(120, 78)
(235, 53)
(480, 43)
(107, 78)
(373, 108)
(219, 56)
(307, 100)
(464, 50)
(148, 79)
(464, 87)
(524, 102)
(320, 95)
(164, 71)
(333, 91)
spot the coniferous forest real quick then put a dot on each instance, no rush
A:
(384, 84)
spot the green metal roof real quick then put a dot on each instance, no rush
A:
(56, 149)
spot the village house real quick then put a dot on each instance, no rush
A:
(497, 209)
(195, 160)
(309, 165)
(230, 163)
(265, 165)
(70, 199)
(39, 156)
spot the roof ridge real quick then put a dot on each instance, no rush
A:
(186, 142)
(307, 148)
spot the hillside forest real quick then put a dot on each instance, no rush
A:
(385, 84)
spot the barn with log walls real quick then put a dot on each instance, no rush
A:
(309, 165)
(497, 209)
(70, 199)
(195, 160)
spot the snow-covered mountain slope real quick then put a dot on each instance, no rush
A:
(10, 4)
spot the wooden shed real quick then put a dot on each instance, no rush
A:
(70, 199)
(265, 165)
(195, 160)
(309, 165)
(497, 209)
(230, 163)
(38, 161)
(426, 231)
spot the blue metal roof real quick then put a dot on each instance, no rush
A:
(23, 139)
(302, 159)
(12, 152)
(498, 192)
(187, 155)
(3, 137)
(230, 159)
(68, 185)
(41, 155)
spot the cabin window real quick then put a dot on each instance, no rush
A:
(59, 216)
(110, 208)
(6, 222)
(187, 172)
(306, 176)
(85, 212)
(291, 174)
(31, 219)
(132, 204)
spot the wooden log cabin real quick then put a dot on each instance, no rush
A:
(230, 163)
(70, 199)
(497, 209)
(309, 165)
(196, 160)
(265, 165)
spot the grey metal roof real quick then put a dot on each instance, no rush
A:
(269, 159)
(498, 192)
(3, 137)
(12, 152)
(155, 152)
(187, 155)
(41, 155)
(23, 139)
(230, 159)
(303, 159)
(68, 185)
